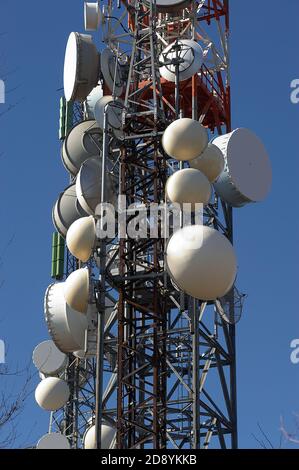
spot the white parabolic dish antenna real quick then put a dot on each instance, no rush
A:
(107, 436)
(66, 210)
(114, 114)
(247, 175)
(48, 359)
(83, 141)
(171, 5)
(201, 261)
(111, 71)
(52, 393)
(189, 52)
(92, 16)
(91, 101)
(88, 186)
(66, 326)
(81, 67)
(54, 440)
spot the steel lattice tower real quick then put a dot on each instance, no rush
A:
(168, 361)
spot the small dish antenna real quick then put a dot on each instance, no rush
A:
(111, 72)
(66, 210)
(230, 306)
(184, 56)
(92, 16)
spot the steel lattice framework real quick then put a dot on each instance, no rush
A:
(168, 361)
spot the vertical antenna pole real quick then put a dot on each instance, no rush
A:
(101, 303)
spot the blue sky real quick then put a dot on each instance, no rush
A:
(264, 61)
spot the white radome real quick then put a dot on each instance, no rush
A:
(88, 186)
(81, 238)
(111, 71)
(170, 5)
(66, 326)
(84, 141)
(210, 162)
(53, 440)
(52, 393)
(202, 262)
(48, 359)
(66, 210)
(114, 114)
(92, 16)
(91, 101)
(107, 436)
(81, 67)
(247, 176)
(76, 290)
(185, 139)
(188, 186)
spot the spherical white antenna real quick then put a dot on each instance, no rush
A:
(81, 238)
(53, 440)
(107, 436)
(76, 290)
(188, 186)
(52, 393)
(201, 261)
(210, 162)
(185, 139)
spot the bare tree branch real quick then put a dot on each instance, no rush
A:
(264, 442)
(261, 443)
(11, 107)
(265, 436)
(293, 438)
(13, 393)
(12, 402)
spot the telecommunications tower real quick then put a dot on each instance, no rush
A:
(143, 307)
